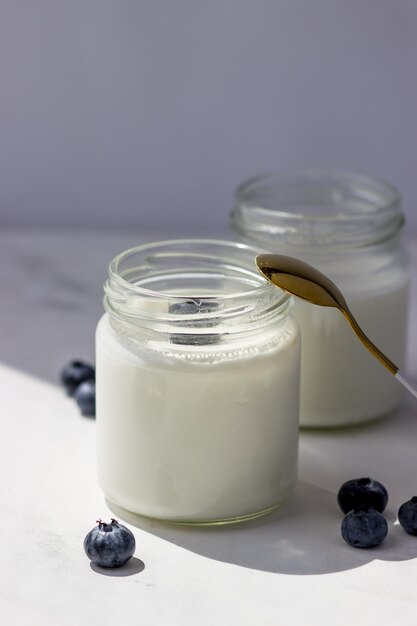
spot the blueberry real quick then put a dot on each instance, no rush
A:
(109, 545)
(364, 528)
(85, 397)
(192, 307)
(407, 516)
(74, 373)
(362, 492)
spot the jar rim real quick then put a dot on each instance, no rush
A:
(390, 195)
(155, 288)
(114, 268)
(317, 208)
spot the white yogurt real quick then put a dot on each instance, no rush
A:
(197, 441)
(341, 382)
(198, 433)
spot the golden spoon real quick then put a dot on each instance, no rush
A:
(305, 282)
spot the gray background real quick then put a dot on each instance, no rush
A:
(147, 113)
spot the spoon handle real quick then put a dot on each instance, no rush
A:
(382, 358)
(409, 385)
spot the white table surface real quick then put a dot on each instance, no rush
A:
(291, 567)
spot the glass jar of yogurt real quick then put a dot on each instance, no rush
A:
(349, 227)
(197, 373)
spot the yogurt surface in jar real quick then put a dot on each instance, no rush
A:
(197, 408)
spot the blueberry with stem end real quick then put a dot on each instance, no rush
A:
(362, 492)
(74, 373)
(109, 545)
(407, 516)
(364, 528)
(85, 397)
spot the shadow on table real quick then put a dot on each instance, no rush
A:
(302, 538)
(132, 567)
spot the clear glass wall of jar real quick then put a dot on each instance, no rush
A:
(197, 384)
(348, 226)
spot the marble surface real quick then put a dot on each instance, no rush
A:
(291, 566)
